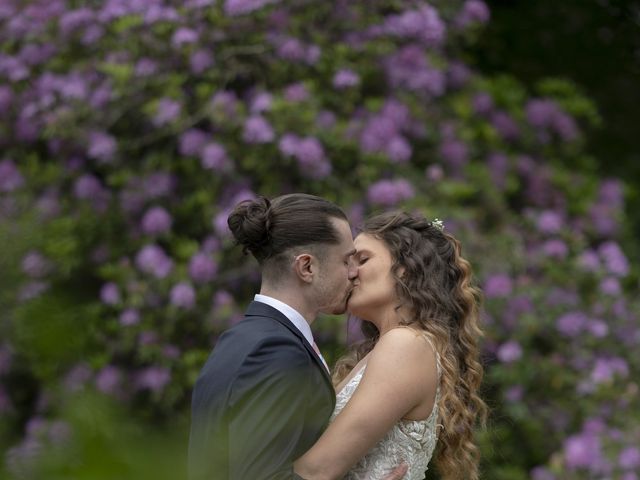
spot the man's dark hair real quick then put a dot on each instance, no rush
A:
(270, 228)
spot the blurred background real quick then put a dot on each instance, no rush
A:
(130, 128)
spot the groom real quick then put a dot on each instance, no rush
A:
(264, 396)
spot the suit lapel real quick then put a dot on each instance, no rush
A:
(263, 310)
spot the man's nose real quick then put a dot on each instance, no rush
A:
(353, 270)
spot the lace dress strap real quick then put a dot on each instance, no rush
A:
(427, 337)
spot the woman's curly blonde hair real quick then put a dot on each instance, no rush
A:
(435, 282)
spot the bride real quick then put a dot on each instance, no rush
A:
(412, 385)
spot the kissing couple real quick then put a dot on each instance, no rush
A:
(265, 405)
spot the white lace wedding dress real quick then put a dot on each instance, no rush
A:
(409, 441)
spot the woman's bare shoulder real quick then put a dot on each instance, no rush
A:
(405, 343)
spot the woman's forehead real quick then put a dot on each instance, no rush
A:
(366, 242)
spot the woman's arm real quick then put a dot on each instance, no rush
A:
(400, 374)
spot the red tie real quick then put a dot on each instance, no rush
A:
(317, 350)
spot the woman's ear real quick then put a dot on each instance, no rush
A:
(303, 266)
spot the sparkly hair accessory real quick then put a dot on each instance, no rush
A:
(436, 222)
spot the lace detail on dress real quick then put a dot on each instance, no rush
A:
(409, 441)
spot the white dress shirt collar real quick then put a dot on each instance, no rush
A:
(291, 313)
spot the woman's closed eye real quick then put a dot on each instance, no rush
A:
(363, 260)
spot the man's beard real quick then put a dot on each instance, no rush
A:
(342, 307)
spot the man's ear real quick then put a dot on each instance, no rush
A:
(303, 266)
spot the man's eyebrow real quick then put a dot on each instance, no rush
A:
(350, 253)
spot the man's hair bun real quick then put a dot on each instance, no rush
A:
(249, 223)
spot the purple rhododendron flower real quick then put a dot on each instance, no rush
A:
(192, 141)
(598, 328)
(498, 164)
(546, 115)
(509, 352)
(377, 133)
(214, 157)
(220, 225)
(540, 112)
(434, 173)
(261, 102)
(153, 378)
(226, 102)
(345, 78)
(10, 177)
(156, 221)
(589, 261)
(409, 68)
(108, 380)
(296, 92)
(21, 458)
(603, 219)
(48, 204)
(423, 24)
(555, 248)
(291, 49)
(6, 99)
(183, 296)
(102, 146)
(222, 298)
(571, 324)
(35, 265)
(629, 458)
(542, 473)
(605, 368)
(454, 153)
(242, 7)
(153, 260)
(504, 124)
(148, 338)
(145, 67)
(183, 36)
(308, 152)
(390, 192)
(583, 451)
(399, 150)
(482, 103)
(311, 158)
(73, 20)
(514, 394)
(32, 290)
(168, 110)
(77, 377)
(473, 11)
(202, 268)
(611, 193)
(614, 259)
(200, 61)
(129, 317)
(610, 286)
(288, 144)
(110, 294)
(257, 130)
(498, 286)
(458, 74)
(549, 221)
(158, 184)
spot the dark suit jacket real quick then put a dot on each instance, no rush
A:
(262, 399)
